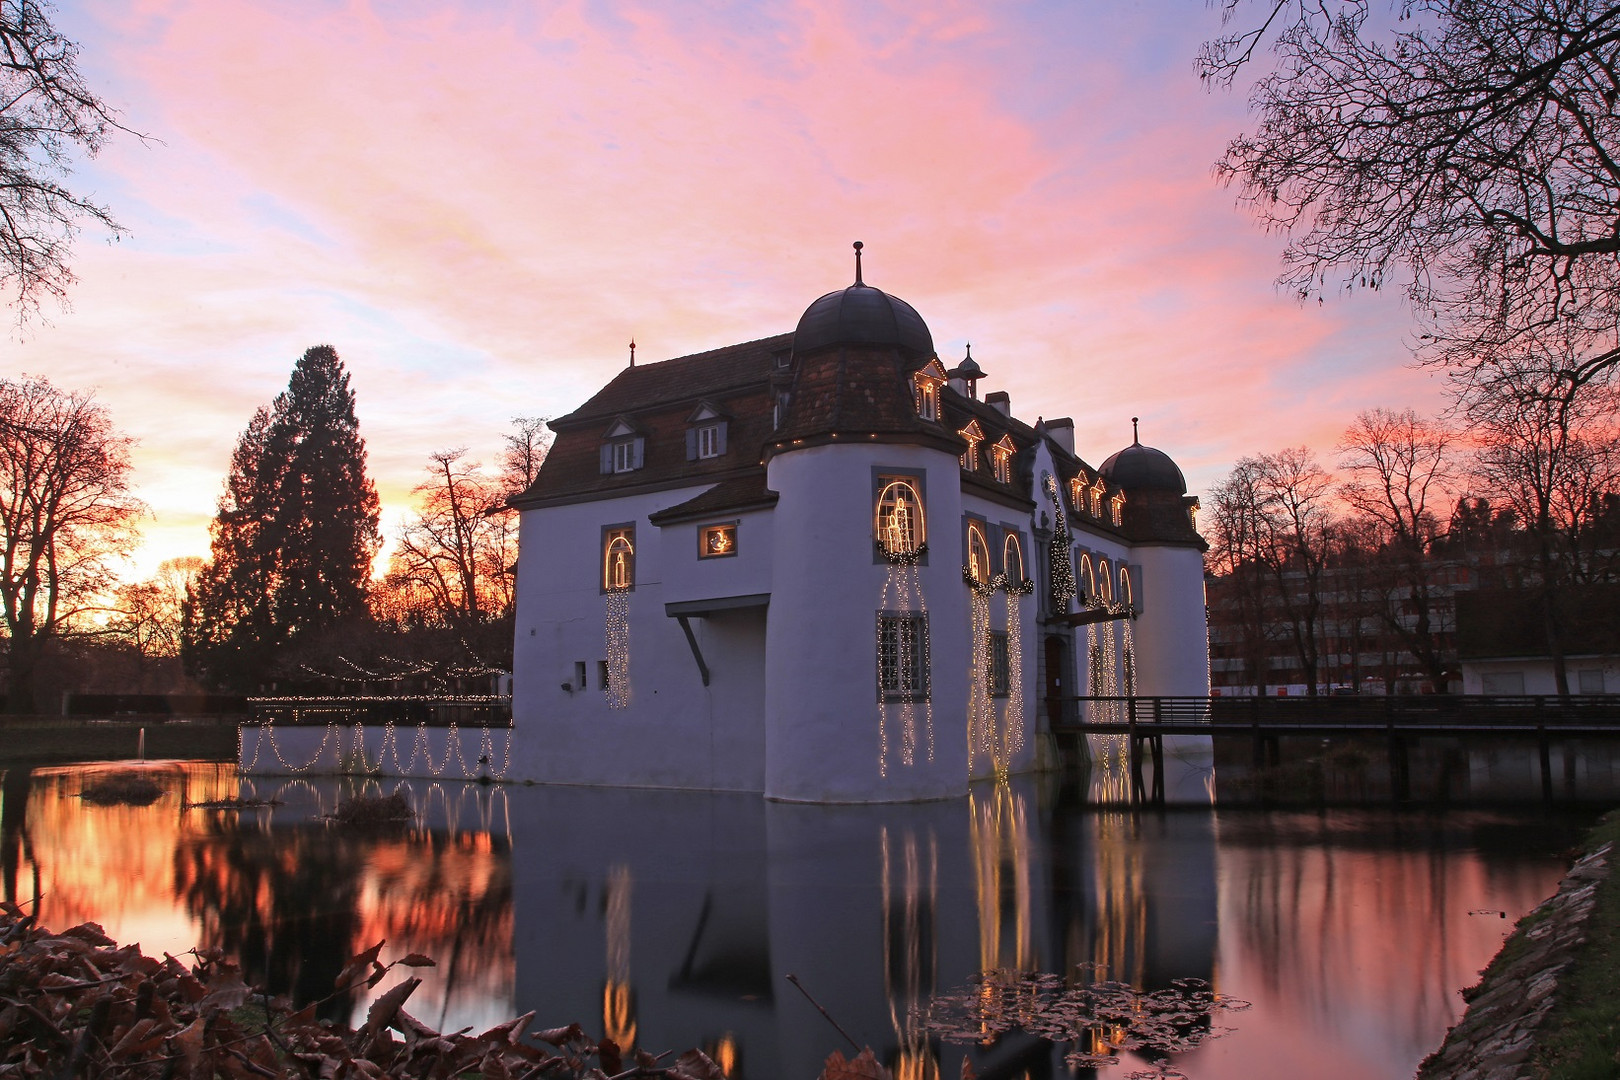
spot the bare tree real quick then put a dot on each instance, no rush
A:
(1273, 526)
(1474, 144)
(1399, 466)
(454, 552)
(1549, 450)
(149, 614)
(523, 450)
(66, 514)
(47, 115)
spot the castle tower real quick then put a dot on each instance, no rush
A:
(863, 633)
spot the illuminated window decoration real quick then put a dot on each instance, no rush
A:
(717, 541)
(1126, 594)
(1001, 455)
(1116, 508)
(1088, 581)
(618, 558)
(618, 1004)
(1095, 493)
(926, 382)
(900, 527)
(1012, 565)
(1104, 584)
(978, 567)
(1077, 491)
(910, 961)
(1059, 567)
(1192, 513)
(974, 434)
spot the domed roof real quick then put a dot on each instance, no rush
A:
(1142, 468)
(862, 315)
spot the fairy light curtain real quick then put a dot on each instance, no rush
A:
(904, 665)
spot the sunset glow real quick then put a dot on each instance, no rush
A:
(480, 205)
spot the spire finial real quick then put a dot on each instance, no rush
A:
(970, 350)
(1136, 439)
(858, 246)
(632, 352)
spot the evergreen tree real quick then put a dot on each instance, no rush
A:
(295, 532)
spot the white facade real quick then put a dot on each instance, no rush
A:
(711, 593)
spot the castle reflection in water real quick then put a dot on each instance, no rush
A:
(671, 919)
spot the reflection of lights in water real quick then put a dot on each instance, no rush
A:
(1000, 840)
(618, 1005)
(909, 901)
(1120, 889)
(725, 1053)
(618, 648)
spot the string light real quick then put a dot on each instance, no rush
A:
(903, 601)
(357, 761)
(1063, 586)
(618, 648)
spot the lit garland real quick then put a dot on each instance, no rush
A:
(1012, 721)
(618, 648)
(1063, 586)
(356, 760)
(981, 711)
(903, 594)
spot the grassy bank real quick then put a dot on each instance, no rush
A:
(57, 740)
(1582, 1040)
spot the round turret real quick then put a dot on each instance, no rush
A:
(862, 315)
(1142, 468)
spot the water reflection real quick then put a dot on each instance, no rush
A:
(667, 919)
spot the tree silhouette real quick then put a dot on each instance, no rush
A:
(295, 532)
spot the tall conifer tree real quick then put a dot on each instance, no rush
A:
(295, 533)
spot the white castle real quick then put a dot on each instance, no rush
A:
(820, 567)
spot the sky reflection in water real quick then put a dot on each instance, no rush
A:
(669, 919)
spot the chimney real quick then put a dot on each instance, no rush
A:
(1061, 431)
(999, 401)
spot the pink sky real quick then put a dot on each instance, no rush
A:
(480, 204)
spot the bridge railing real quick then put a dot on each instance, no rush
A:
(1476, 711)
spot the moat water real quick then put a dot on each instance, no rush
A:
(1324, 940)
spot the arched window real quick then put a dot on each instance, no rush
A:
(900, 526)
(1088, 577)
(618, 559)
(1126, 594)
(978, 553)
(1105, 582)
(1012, 559)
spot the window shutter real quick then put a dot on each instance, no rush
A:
(691, 444)
(720, 445)
(607, 457)
(639, 451)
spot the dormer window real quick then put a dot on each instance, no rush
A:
(974, 435)
(1192, 513)
(623, 447)
(1096, 491)
(1001, 454)
(705, 433)
(926, 382)
(1077, 492)
(1116, 509)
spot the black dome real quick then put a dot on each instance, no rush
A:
(862, 315)
(1142, 468)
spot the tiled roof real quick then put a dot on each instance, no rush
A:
(855, 390)
(716, 373)
(739, 493)
(659, 399)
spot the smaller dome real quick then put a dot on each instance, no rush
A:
(1142, 468)
(968, 369)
